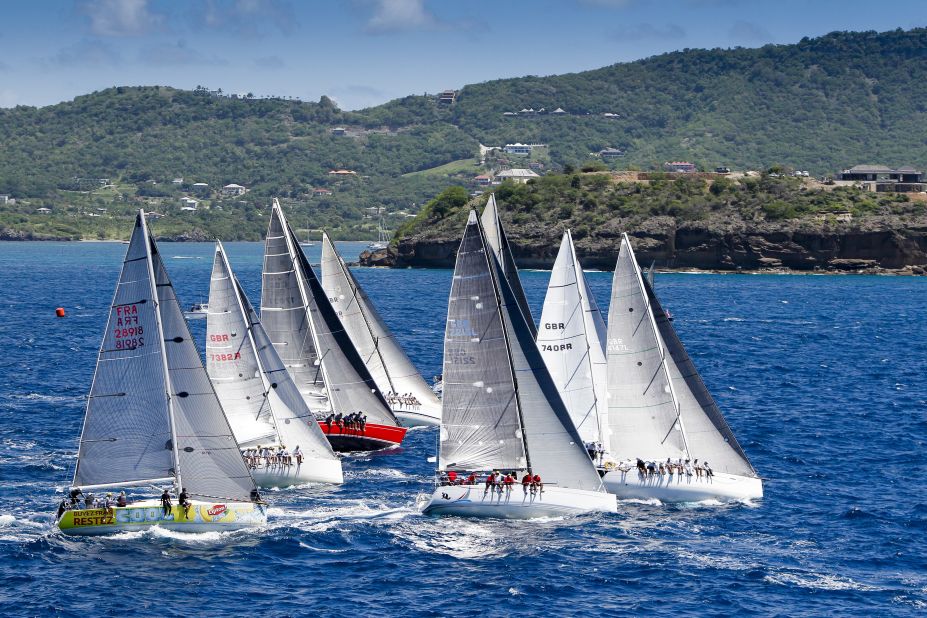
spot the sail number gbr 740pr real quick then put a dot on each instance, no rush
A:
(555, 347)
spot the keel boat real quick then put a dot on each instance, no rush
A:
(153, 420)
(667, 437)
(501, 410)
(274, 427)
(317, 350)
(409, 397)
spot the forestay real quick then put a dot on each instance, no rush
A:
(708, 435)
(643, 415)
(276, 412)
(387, 363)
(571, 339)
(498, 241)
(349, 386)
(285, 316)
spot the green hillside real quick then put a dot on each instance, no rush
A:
(821, 105)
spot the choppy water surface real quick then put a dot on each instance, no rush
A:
(821, 377)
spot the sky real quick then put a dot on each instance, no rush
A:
(365, 52)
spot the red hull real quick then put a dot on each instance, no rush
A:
(372, 438)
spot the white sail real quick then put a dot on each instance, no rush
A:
(686, 414)
(262, 401)
(125, 414)
(285, 317)
(643, 414)
(501, 407)
(498, 241)
(571, 338)
(388, 364)
(348, 384)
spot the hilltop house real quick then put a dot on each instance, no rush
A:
(522, 150)
(342, 173)
(484, 180)
(880, 178)
(201, 188)
(447, 97)
(339, 131)
(321, 192)
(188, 203)
(4, 199)
(611, 153)
(43, 210)
(680, 167)
(233, 190)
(520, 176)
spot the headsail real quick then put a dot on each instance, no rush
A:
(707, 433)
(643, 414)
(153, 414)
(501, 408)
(388, 364)
(497, 240)
(284, 314)
(572, 342)
(249, 376)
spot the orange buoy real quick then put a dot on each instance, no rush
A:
(59, 312)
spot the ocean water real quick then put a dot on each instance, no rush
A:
(821, 377)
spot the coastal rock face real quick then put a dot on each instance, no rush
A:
(878, 246)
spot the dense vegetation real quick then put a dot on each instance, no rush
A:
(820, 105)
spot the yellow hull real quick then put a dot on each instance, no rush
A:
(201, 517)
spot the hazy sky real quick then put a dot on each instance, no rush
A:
(365, 52)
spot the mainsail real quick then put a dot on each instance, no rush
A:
(348, 384)
(261, 400)
(388, 364)
(572, 342)
(153, 415)
(284, 314)
(691, 423)
(501, 408)
(497, 240)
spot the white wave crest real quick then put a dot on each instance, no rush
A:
(819, 581)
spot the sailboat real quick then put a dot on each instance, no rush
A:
(410, 398)
(268, 416)
(571, 339)
(382, 238)
(501, 410)
(659, 410)
(315, 348)
(153, 419)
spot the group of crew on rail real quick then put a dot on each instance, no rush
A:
(79, 500)
(407, 400)
(356, 421)
(596, 452)
(680, 467)
(269, 456)
(494, 481)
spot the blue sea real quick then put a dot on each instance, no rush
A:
(823, 379)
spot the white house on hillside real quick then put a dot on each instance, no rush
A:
(521, 176)
(234, 189)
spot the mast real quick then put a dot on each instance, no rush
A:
(175, 448)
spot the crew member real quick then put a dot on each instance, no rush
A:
(526, 482)
(184, 501)
(537, 484)
(166, 505)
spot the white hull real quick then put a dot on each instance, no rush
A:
(473, 501)
(682, 488)
(310, 471)
(410, 418)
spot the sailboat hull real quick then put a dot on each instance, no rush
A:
(417, 418)
(680, 488)
(202, 517)
(372, 438)
(474, 501)
(309, 471)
